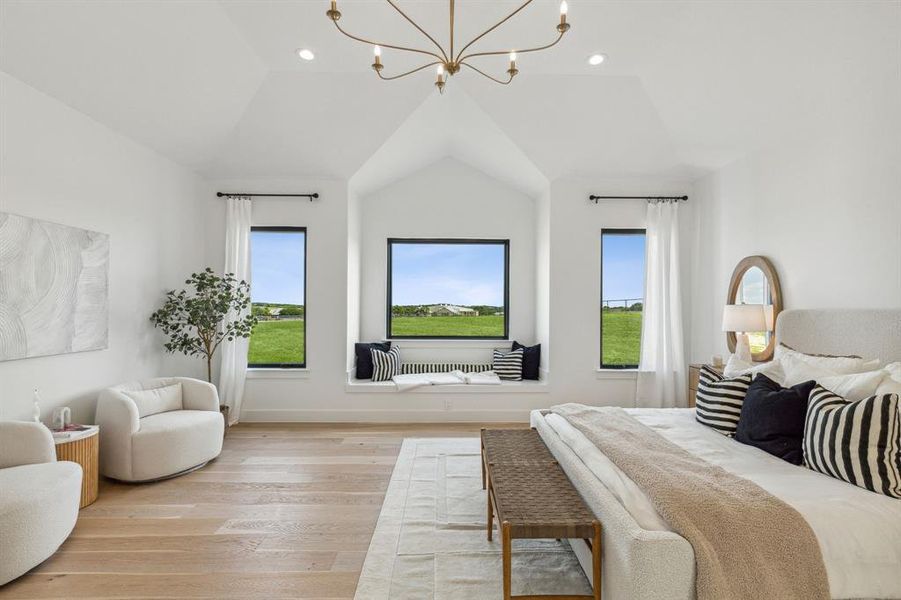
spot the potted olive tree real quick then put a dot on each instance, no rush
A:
(198, 321)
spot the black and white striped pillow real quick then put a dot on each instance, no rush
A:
(718, 402)
(385, 365)
(414, 368)
(508, 365)
(858, 442)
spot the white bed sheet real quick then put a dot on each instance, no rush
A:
(859, 531)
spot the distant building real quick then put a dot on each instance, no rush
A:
(450, 310)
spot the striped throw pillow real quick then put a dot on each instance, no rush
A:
(385, 365)
(718, 402)
(858, 442)
(508, 365)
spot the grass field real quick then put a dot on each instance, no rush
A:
(621, 337)
(481, 326)
(277, 342)
(281, 342)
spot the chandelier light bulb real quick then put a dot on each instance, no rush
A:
(513, 57)
(564, 7)
(377, 63)
(440, 71)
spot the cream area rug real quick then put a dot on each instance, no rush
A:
(430, 541)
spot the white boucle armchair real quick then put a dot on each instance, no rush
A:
(39, 497)
(145, 441)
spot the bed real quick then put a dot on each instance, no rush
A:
(859, 532)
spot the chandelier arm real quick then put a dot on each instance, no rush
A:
(499, 52)
(371, 43)
(421, 30)
(484, 74)
(416, 70)
(490, 29)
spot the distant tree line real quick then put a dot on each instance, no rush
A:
(422, 310)
(266, 310)
(635, 307)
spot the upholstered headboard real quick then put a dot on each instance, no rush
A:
(870, 333)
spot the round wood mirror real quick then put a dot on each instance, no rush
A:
(754, 281)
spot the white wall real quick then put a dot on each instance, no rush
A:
(59, 165)
(543, 277)
(559, 270)
(824, 205)
(334, 223)
(448, 200)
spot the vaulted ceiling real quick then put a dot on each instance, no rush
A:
(218, 87)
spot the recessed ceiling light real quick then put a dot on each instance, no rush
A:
(596, 59)
(305, 53)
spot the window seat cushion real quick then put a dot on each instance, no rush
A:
(365, 386)
(414, 368)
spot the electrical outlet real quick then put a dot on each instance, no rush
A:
(448, 404)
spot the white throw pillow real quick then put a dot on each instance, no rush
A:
(893, 371)
(855, 386)
(891, 383)
(736, 368)
(156, 400)
(837, 365)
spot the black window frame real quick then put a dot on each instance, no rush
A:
(615, 231)
(306, 355)
(461, 241)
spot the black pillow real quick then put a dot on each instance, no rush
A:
(531, 359)
(772, 418)
(364, 357)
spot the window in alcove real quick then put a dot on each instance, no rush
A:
(448, 288)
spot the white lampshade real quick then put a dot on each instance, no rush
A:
(744, 317)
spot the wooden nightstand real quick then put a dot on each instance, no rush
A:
(694, 372)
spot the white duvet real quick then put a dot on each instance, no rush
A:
(859, 531)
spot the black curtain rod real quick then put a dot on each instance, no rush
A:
(312, 196)
(595, 199)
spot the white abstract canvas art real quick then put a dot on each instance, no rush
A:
(54, 288)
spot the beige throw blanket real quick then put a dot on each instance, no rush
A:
(748, 544)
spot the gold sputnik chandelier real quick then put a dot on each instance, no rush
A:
(448, 63)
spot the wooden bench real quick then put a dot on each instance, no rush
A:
(534, 499)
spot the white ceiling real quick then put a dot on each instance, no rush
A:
(216, 86)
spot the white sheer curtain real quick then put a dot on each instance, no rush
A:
(661, 371)
(237, 260)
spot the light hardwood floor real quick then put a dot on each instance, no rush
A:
(286, 511)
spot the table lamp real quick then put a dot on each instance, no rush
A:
(741, 319)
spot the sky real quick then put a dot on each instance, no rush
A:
(623, 269)
(464, 274)
(753, 289)
(277, 266)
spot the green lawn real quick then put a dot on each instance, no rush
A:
(481, 326)
(277, 342)
(621, 337)
(282, 342)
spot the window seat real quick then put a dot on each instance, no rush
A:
(367, 386)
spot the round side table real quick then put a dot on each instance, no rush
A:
(84, 450)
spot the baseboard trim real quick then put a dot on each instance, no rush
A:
(384, 416)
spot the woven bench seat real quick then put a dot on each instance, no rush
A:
(533, 499)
